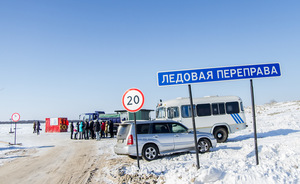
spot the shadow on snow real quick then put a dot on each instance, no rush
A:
(273, 133)
(23, 148)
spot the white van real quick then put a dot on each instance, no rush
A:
(218, 115)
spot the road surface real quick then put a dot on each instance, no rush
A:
(74, 161)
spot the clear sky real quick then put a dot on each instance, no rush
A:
(61, 58)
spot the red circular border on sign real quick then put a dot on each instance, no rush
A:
(133, 89)
(13, 118)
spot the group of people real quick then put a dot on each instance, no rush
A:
(36, 127)
(93, 129)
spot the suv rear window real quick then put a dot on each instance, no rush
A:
(123, 131)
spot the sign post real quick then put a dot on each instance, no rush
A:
(254, 121)
(191, 76)
(194, 127)
(133, 100)
(15, 117)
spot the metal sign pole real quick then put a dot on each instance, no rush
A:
(136, 140)
(15, 117)
(194, 127)
(15, 132)
(133, 100)
(254, 121)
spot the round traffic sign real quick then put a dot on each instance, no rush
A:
(133, 100)
(15, 117)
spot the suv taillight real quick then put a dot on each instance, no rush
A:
(130, 140)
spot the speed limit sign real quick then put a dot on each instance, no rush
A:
(133, 100)
(15, 117)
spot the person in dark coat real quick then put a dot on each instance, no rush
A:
(38, 127)
(87, 129)
(71, 129)
(77, 130)
(111, 129)
(97, 130)
(34, 127)
(92, 133)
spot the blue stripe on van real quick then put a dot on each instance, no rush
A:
(241, 120)
(236, 121)
(237, 118)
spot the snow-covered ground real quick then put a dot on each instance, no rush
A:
(278, 131)
(29, 141)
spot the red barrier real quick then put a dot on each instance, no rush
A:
(56, 125)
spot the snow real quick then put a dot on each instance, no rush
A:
(278, 132)
(28, 140)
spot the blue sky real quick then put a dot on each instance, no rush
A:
(62, 58)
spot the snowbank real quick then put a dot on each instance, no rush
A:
(278, 131)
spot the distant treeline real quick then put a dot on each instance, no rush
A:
(21, 122)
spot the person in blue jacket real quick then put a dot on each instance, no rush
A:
(81, 130)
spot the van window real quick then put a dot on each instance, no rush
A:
(232, 107)
(161, 112)
(186, 111)
(218, 108)
(173, 112)
(203, 110)
(143, 128)
(222, 108)
(242, 107)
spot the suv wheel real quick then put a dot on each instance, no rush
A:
(221, 135)
(203, 145)
(150, 152)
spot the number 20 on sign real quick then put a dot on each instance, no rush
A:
(133, 100)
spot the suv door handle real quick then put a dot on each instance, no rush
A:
(176, 135)
(155, 136)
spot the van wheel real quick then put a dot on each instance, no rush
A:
(150, 152)
(221, 135)
(203, 145)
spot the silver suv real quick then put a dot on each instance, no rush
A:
(159, 137)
